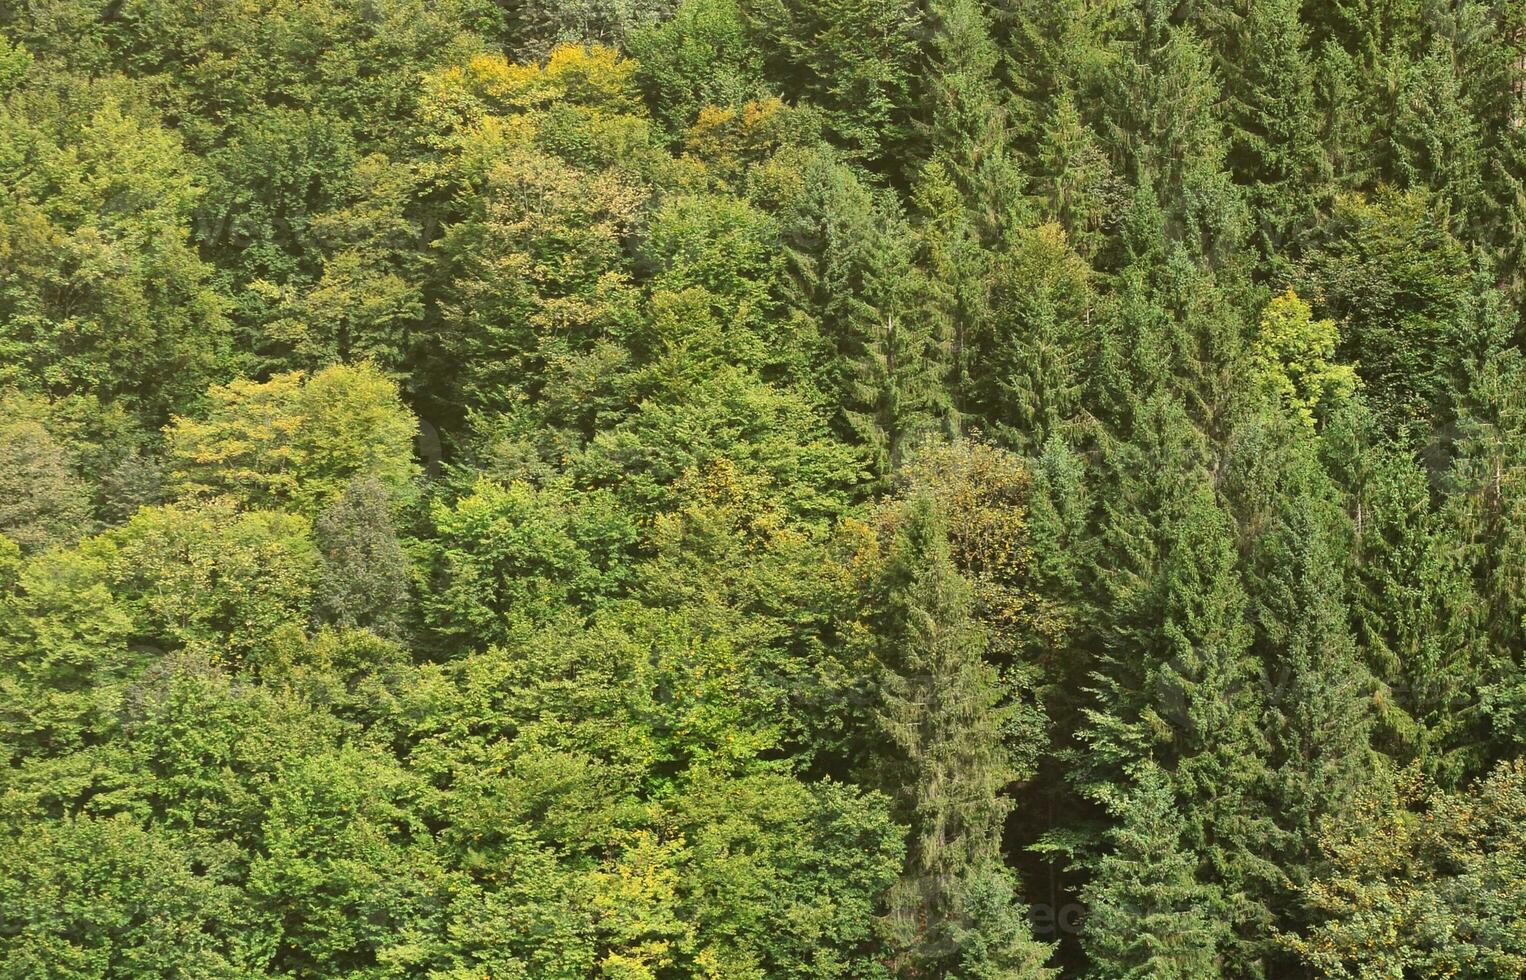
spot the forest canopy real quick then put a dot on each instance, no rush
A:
(740, 489)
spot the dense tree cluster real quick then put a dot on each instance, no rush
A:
(654, 489)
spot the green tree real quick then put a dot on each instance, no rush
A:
(703, 57)
(101, 291)
(1412, 603)
(1148, 915)
(1319, 717)
(1029, 367)
(1399, 288)
(966, 124)
(1274, 147)
(296, 441)
(1292, 358)
(854, 58)
(942, 710)
(104, 897)
(366, 576)
(1423, 882)
(1487, 504)
(42, 501)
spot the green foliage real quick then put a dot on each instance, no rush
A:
(942, 717)
(1150, 917)
(1292, 359)
(44, 503)
(204, 576)
(1487, 503)
(1274, 136)
(509, 555)
(1423, 882)
(1412, 604)
(365, 575)
(701, 59)
(89, 897)
(1028, 372)
(854, 58)
(1398, 286)
(762, 488)
(295, 441)
(101, 291)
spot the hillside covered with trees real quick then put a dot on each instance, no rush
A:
(741, 489)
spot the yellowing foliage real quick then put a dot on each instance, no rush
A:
(595, 77)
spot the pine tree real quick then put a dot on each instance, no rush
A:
(1030, 366)
(1437, 144)
(1176, 680)
(967, 127)
(1057, 49)
(854, 58)
(1411, 601)
(1175, 326)
(1318, 709)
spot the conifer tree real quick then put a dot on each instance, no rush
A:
(854, 58)
(1274, 131)
(1177, 680)
(1149, 918)
(941, 714)
(1073, 180)
(1411, 602)
(1029, 367)
(1318, 708)
(1165, 129)
(967, 126)
(879, 365)
(901, 391)
(1057, 49)
(955, 296)
(1488, 479)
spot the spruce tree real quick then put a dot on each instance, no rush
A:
(1029, 367)
(955, 296)
(1488, 504)
(1411, 601)
(878, 362)
(941, 715)
(1074, 183)
(1165, 130)
(1318, 716)
(1148, 916)
(1274, 147)
(967, 126)
(900, 392)
(1176, 680)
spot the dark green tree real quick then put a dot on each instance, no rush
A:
(942, 711)
(1274, 147)
(366, 577)
(1147, 913)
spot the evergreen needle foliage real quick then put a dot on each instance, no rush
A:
(751, 489)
